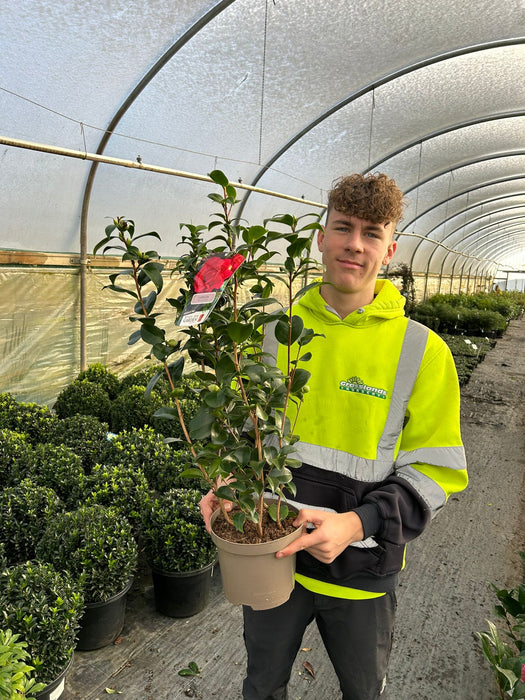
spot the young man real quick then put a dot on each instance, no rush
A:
(380, 447)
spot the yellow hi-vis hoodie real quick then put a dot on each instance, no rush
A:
(378, 434)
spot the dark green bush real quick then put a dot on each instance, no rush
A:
(426, 314)
(86, 398)
(85, 435)
(142, 377)
(44, 607)
(145, 449)
(15, 672)
(25, 511)
(3, 558)
(123, 486)
(97, 373)
(96, 545)
(15, 457)
(131, 408)
(174, 534)
(59, 468)
(35, 421)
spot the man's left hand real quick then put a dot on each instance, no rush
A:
(333, 533)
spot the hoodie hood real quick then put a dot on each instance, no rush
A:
(388, 303)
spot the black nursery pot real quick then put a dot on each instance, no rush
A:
(181, 594)
(54, 690)
(102, 622)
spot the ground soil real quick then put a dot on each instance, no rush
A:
(250, 533)
(444, 596)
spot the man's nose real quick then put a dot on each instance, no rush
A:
(354, 241)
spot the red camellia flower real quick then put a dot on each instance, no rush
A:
(523, 673)
(214, 271)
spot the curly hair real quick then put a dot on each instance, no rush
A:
(375, 198)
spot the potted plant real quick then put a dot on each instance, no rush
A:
(95, 544)
(59, 468)
(85, 435)
(145, 449)
(179, 551)
(122, 486)
(25, 510)
(15, 454)
(241, 438)
(34, 421)
(42, 606)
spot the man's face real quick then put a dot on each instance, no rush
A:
(353, 251)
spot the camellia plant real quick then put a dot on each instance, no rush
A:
(241, 440)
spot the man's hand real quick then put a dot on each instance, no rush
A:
(333, 533)
(208, 504)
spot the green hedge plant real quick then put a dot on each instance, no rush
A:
(44, 607)
(86, 398)
(99, 374)
(162, 463)
(59, 468)
(25, 511)
(15, 457)
(122, 486)
(34, 421)
(174, 535)
(85, 435)
(95, 544)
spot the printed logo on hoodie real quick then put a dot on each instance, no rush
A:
(357, 385)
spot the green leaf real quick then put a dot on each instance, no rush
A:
(154, 271)
(192, 473)
(225, 492)
(134, 337)
(215, 399)
(225, 369)
(300, 379)
(166, 412)
(238, 332)
(305, 289)
(282, 330)
(176, 369)
(112, 691)
(152, 382)
(151, 334)
(219, 177)
(238, 521)
(201, 425)
(253, 233)
(148, 301)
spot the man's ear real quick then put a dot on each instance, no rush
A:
(392, 246)
(320, 239)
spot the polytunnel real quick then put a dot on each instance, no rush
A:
(123, 108)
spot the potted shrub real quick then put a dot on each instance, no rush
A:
(179, 551)
(15, 455)
(241, 439)
(83, 397)
(59, 468)
(95, 544)
(145, 449)
(85, 435)
(122, 486)
(25, 510)
(43, 606)
(34, 421)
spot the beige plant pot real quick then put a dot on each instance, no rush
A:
(252, 575)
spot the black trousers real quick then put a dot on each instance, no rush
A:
(357, 635)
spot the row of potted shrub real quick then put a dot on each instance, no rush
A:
(482, 314)
(76, 505)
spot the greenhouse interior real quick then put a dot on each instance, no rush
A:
(156, 113)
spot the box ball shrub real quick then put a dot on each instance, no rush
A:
(120, 485)
(95, 544)
(59, 468)
(145, 449)
(15, 457)
(34, 421)
(87, 436)
(133, 409)
(84, 397)
(25, 510)
(44, 607)
(174, 535)
(98, 373)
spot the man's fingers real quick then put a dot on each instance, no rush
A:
(302, 542)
